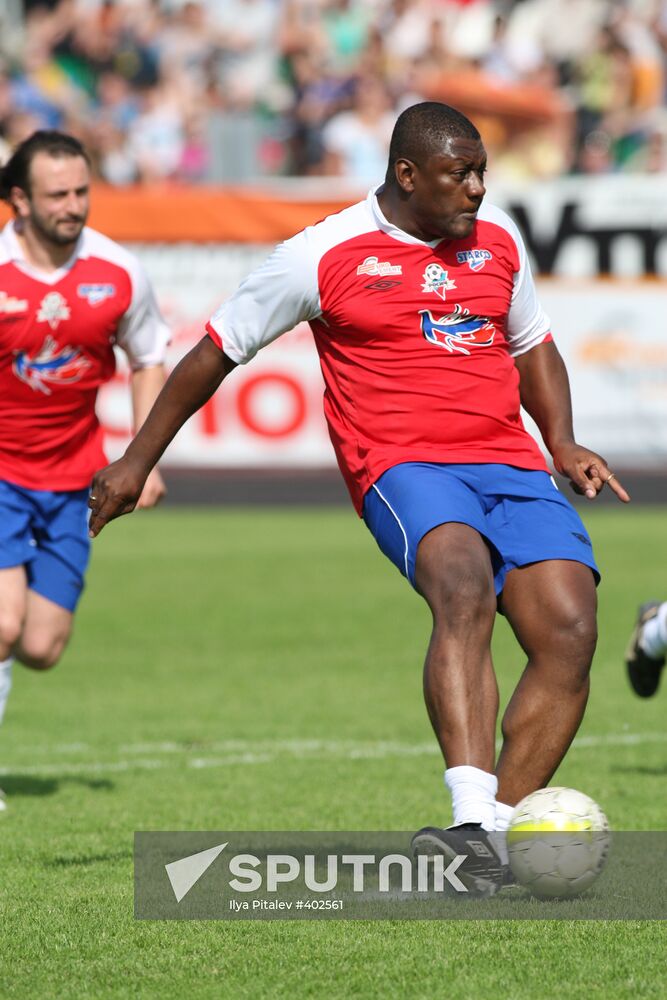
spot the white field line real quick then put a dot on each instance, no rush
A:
(239, 753)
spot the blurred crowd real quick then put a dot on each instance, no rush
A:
(235, 90)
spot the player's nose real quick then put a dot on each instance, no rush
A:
(476, 186)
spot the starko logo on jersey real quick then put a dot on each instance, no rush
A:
(50, 365)
(373, 265)
(437, 280)
(475, 259)
(95, 295)
(458, 331)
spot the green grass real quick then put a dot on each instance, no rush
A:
(209, 646)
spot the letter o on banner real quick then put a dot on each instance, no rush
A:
(249, 406)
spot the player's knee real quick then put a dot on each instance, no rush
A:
(574, 637)
(578, 630)
(461, 593)
(11, 624)
(41, 651)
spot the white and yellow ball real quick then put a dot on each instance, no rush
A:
(558, 842)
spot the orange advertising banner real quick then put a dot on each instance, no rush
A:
(174, 214)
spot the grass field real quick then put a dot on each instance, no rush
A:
(262, 670)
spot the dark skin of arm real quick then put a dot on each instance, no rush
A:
(116, 489)
(545, 395)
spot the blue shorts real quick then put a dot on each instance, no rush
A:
(48, 534)
(519, 512)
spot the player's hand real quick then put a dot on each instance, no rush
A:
(588, 472)
(115, 491)
(154, 490)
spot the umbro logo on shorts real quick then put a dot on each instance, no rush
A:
(582, 538)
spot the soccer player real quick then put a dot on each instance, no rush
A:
(67, 295)
(647, 649)
(430, 335)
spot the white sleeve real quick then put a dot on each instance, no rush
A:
(527, 323)
(142, 332)
(274, 298)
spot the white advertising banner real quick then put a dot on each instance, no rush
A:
(612, 333)
(613, 337)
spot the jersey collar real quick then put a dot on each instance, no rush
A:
(12, 252)
(383, 223)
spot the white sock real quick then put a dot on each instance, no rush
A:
(503, 816)
(473, 795)
(653, 638)
(5, 683)
(499, 837)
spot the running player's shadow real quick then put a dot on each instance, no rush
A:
(79, 860)
(24, 785)
(654, 770)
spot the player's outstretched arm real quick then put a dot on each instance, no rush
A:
(545, 394)
(117, 488)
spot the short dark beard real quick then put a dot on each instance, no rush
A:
(52, 234)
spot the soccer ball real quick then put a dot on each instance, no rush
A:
(558, 841)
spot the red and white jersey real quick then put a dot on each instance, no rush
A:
(416, 340)
(57, 333)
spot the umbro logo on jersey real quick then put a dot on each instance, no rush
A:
(475, 259)
(96, 294)
(11, 305)
(382, 285)
(52, 309)
(373, 265)
(437, 280)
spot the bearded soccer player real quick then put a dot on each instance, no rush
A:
(430, 336)
(67, 295)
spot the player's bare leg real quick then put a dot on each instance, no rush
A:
(454, 575)
(551, 607)
(46, 631)
(13, 599)
(13, 602)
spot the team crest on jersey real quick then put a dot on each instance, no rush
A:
(373, 265)
(96, 294)
(52, 309)
(50, 365)
(437, 280)
(11, 306)
(475, 259)
(457, 331)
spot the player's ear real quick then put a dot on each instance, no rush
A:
(19, 201)
(404, 171)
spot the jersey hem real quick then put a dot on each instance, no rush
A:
(536, 463)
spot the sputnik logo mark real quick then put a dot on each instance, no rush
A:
(185, 872)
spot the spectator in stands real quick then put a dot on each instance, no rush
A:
(282, 71)
(356, 142)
